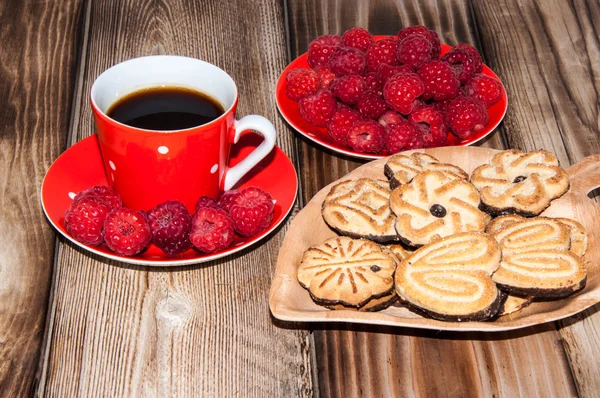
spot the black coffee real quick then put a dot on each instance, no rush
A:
(165, 109)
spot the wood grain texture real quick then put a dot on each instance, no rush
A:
(398, 362)
(549, 51)
(37, 71)
(193, 331)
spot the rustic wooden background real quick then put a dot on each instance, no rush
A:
(76, 324)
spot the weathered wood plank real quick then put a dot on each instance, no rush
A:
(37, 74)
(358, 360)
(203, 330)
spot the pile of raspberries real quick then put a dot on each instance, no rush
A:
(97, 215)
(392, 94)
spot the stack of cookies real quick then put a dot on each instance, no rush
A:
(445, 244)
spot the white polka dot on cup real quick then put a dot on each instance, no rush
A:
(214, 169)
(163, 150)
(72, 195)
(112, 165)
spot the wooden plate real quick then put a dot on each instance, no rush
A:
(290, 302)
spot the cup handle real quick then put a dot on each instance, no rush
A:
(263, 127)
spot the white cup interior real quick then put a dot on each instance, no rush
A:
(162, 70)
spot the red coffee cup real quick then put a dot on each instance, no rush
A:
(149, 167)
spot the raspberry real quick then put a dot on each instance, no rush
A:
(252, 211)
(466, 115)
(318, 108)
(367, 137)
(326, 76)
(206, 201)
(347, 61)
(440, 81)
(103, 193)
(212, 230)
(371, 83)
(170, 223)
(321, 48)
(301, 82)
(371, 105)
(385, 72)
(430, 35)
(381, 52)
(414, 51)
(402, 91)
(126, 231)
(431, 122)
(403, 136)
(348, 89)
(358, 38)
(85, 218)
(486, 89)
(341, 122)
(441, 105)
(225, 199)
(462, 59)
(390, 118)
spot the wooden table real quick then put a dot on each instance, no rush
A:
(72, 323)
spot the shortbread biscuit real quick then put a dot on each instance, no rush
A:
(347, 271)
(434, 205)
(520, 183)
(514, 303)
(451, 279)
(401, 169)
(577, 234)
(360, 209)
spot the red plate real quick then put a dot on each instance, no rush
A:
(80, 167)
(289, 111)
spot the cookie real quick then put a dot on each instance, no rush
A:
(577, 234)
(520, 183)
(346, 271)
(401, 169)
(360, 209)
(434, 205)
(514, 304)
(451, 280)
(536, 260)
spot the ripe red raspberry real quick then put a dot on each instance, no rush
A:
(466, 115)
(225, 199)
(390, 118)
(206, 201)
(170, 223)
(381, 52)
(372, 84)
(414, 51)
(431, 123)
(440, 81)
(430, 35)
(385, 72)
(367, 137)
(403, 136)
(212, 230)
(85, 218)
(486, 89)
(251, 211)
(358, 38)
(341, 122)
(441, 105)
(347, 61)
(321, 48)
(477, 61)
(126, 231)
(371, 105)
(463, 62)
(318, 108)
(103, 193)
(301, 82)
(402, 92)
(326, 76)
(348, 89)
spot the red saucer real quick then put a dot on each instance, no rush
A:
(289, 111)
(80, 167)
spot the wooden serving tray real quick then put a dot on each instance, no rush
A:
(290, 302)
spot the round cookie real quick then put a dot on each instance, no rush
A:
(578, 235)
(360, 209)
(346, 271)
(520, 183)
(434, 205)
(401, 169)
